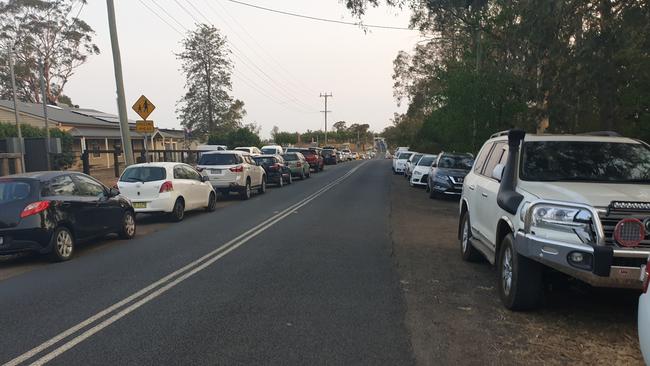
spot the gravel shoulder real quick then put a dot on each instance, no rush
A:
(454, 315)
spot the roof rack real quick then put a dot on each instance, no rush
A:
(601, 133)
(500, 133)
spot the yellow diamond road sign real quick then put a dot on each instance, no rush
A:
(144, 127)
(143, 107)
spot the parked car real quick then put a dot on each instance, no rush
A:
(314, 158)
(354, 155)
(447, 174)
(347, 154)
(172, 188)
(277, 171)
(410, 164)
(330, 156)
(643, 322)
(340, 157)
(272, 150)
(254, 151)
(575, 203)
(50, 212)
(420, 173)
(298, 164)
(399, 161)
(233, 171)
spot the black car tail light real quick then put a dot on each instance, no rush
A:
(34, 208)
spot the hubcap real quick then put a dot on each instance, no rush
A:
(179, 209)
(129, 225)
(507, 271)
(465, 238)
(64, 243)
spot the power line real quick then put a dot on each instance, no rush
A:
(169, 15)
(358, 24)
(159, 17)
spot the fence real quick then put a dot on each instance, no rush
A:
(10, 163)
(179, 156)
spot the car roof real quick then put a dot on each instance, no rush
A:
(161, 164)
(265, 156)
(239, 152)
(569, 137)
(43, 175)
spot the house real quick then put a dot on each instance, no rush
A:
(92, 130)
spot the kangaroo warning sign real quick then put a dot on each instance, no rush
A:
(143, 107)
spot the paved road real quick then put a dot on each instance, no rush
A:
(300, 275)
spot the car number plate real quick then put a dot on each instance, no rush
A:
(139, 205)
(215, 171)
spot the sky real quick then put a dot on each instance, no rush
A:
(281, 63)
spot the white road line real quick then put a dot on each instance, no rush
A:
(190, 268)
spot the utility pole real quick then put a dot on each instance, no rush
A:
(326, 95)
(121, 102)
(16, 112)
(47, 123)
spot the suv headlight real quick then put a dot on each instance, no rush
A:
(562, 223)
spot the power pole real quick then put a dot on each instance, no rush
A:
(47, 123)
(119, 82)
(326, 95)
(16, 112)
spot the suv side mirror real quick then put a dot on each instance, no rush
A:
(497, 172)
(113, 192)
(434, 165)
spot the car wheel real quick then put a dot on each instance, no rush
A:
(127, 231)
(212, 202)
(309, 174)
(246, 193)
(62, 243)
(262, 188)
(432, 193)
(520, 278)
(302, 174)
(281, 181)
(411, 183)
(428, 189)
(290, 179)
(178, 212)
(467, 250)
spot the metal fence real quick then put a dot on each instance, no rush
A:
(180, 156)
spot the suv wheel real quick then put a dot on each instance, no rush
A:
(467, 250)
(262, 188)
(432, 193)
(127, 231)
(520, 278)
(62, 243)
(246, 192)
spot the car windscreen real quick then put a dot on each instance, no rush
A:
(585, 161)
(403, 156)
(11, 190)
(327, 152)
(426, 161)
(290, 157)
(307, 153)
(269, 151)
(219, 159)
(143, 174)
(416, 157)
(463, 162)
(265, 160)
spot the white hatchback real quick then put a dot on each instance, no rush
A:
(233, 171)
(399, 161)
(420, 171)
(166, 187)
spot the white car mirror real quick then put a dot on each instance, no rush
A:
(497, 172)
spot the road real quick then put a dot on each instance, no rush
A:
(315, 285)
(352, 266)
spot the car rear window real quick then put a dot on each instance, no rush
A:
(219, 159)
(402, 156)
(306, 153)
(14, 191)
(269, 150)
(267, 160)
(144, 174)
(290, 157)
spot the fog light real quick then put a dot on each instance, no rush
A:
(577, 257)
(580, 260)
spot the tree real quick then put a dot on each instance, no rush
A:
(47, 31)
(207, 108)
(285, 138)
(339, 126)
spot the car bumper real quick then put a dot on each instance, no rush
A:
(223, 184)
(419, 180)
(604, 266)
(162, 204)
(24, 240)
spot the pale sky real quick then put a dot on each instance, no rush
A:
(281, 63)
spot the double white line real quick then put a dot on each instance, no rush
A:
(124, 307)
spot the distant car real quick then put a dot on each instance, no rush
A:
(347, 154)
(233, 171)
(399, 161)
(339, 157)
(314, 158)
(448, 173)
(420, 172)
(172, 188)
(298, 165)
(254, 151)
(50, 212)
(329, 156)
(644, 317)
(272, 150)
(354, 155)
(410, 164)
(277, 172)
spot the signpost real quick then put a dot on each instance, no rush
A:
(143, 107)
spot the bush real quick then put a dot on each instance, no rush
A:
(59, 161)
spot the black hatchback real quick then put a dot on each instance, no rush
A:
(49, 212)
(276, 169)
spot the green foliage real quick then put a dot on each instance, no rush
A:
(244, 136)
(285, 138)
(59, 161)
(47, 31)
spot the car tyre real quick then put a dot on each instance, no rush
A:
(245, 194)
(281, 181)
(262, 188)
(433, 194)
(212, 202)
(467, 250)
(62, 243)
(127, 231)
(520, 279)
(302, 174)
(290, 179)
(178, 212)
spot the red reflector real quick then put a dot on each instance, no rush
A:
(629, 232)
(34, 208)
(166, 187)
(237, 169)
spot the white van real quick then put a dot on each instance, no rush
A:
(272, 150)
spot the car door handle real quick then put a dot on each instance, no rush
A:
(471, 186)
(484, 194)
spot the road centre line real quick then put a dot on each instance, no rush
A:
(163, 285)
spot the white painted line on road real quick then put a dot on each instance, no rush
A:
(160, 286)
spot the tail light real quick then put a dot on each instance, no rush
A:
(34, 208)
(166, 187)
(237, 169)
(646, 278)
(276, 166)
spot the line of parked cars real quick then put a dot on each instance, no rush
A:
(50, 212)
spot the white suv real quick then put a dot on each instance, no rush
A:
(578, 204)
(233, 171)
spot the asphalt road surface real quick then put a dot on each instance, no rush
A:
(300, 275)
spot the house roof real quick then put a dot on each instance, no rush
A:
(55, 114)
(100, 132)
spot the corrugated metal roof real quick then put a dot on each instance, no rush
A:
(100, 133)
(57, 114)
